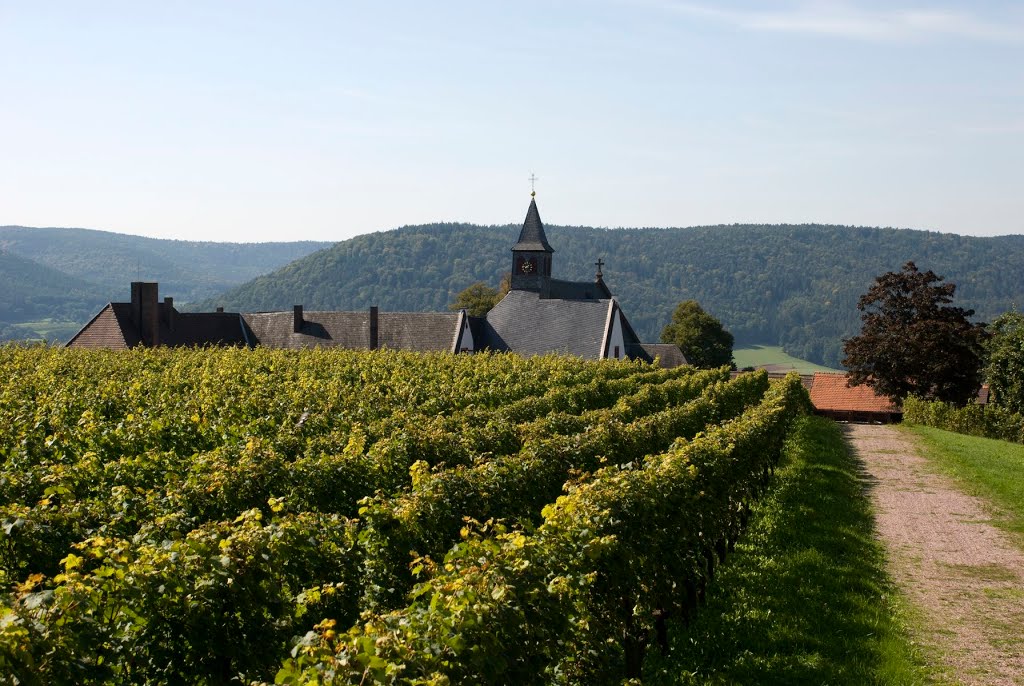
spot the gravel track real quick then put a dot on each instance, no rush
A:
(963, 574)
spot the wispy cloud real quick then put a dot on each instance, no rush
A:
(1008, 127)
(849, 20)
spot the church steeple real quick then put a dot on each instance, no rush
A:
(532, 236)
(531, 255)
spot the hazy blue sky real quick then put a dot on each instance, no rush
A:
(323, 120)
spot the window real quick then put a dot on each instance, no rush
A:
(616, 352)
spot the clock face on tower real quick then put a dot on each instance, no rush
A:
(527, 266)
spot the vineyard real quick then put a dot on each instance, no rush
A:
(335, 517)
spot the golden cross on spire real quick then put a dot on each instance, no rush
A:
(533, 180)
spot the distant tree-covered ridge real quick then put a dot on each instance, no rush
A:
(53, 280)
(791, 285)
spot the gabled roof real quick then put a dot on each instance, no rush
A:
(111, 328)
(532, 236)
(578, 290)
(830, 393)
(419, 331)
(527, 324)
(668, 354)
(114, 328)
(202, 328)
(327, 329)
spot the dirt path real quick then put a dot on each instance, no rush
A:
(962, 573)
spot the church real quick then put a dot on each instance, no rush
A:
(539, 315)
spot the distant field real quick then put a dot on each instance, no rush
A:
(45, 329)
(773, 358)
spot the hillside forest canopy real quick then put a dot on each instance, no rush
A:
(53, 280)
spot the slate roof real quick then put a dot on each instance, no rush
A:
(830, 393)
(669, 355)
(202, 328)
(420, 331)
(527, 324)
(326, 329)
(111, 328)
(578, 290)
(532, 236)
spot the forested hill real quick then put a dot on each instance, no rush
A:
(53, 280)
(793, 285)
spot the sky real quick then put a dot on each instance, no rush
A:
(260, 121)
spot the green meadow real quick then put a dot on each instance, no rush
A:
(773, 355)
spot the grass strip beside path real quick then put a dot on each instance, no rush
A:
(984, 467)
(805, 598)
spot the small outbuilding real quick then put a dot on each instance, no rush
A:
(832, 396)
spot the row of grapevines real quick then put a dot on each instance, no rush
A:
(66, 620)
(427, 519)
(465, 437)
(79, 428)
(70, 403)
(115, 497)
(72, 618)
(576, 600)
(138, 555)
(58, 404)
(205, 607)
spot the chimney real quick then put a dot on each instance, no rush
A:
(169, 313)
(297, 319)
(146, 311)
(373, 328)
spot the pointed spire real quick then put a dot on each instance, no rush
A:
(532, 236)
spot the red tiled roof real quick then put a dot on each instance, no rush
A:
(830, 392)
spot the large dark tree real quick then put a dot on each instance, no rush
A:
(913, 341)
(701, 337)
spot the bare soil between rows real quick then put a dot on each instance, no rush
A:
(962, 574)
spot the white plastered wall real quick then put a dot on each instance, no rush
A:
(615, 340)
